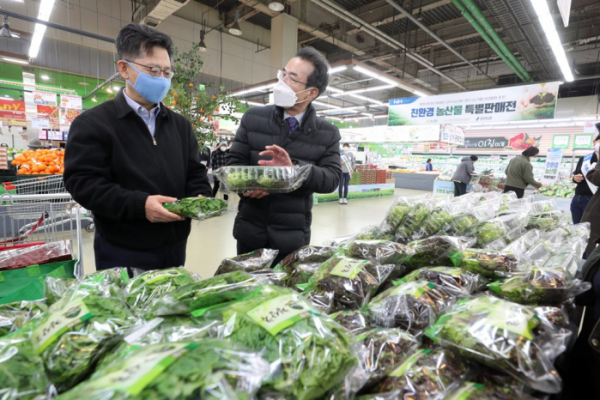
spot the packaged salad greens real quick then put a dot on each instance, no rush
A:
(238, 179)
(253, 261)
(546, 221)
(301, 264)
(381, 251)
(563, 261)
(309, 352)
(208, 369)
(353, 321)
(411, 305)
(503, 335)
(373, 232)
(344, 283)
(56, 288)
(151, 285)
(487, 391)
(455, 280)
(438, 220)
(14, 315)
(474, 216)
(524, 243)
(199, 208)
(436, 250)
(488, 263)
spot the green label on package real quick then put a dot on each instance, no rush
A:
(409, 363)
(514, 319)
(160, 275)
(279, 313)
(348, 268)
(74, 313)
(141, 369)
(414, 289)
(465, 391)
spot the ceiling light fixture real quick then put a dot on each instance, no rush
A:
(235, 28)
(95, 99)
(369, 89)
(319, 103)
(547, 22)
(39, 31)
(5, 30)
(372, 101)
(45, 77)
(334, 90)
(276, 6)
(110, 88)
(202, 45)
(15, 60)
(253, 90)
(335, 70)
(375, 75)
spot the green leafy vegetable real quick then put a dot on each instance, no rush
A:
(454, 280)
(14, 315)
(352, 320)
(249, 262)
(198, 207)
(151, 285)
(489, 263)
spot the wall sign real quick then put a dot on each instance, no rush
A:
(583, 141)
(561, 141)
(45, 98)
(553, 160)
(497, 142)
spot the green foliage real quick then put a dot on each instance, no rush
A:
(151, 285)
(197, 207)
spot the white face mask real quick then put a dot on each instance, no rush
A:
(223, 148)
(346, 148)
(597, 147)
(284, 96)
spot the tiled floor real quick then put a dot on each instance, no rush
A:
(212, 240)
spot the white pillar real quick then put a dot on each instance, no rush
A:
(284, 41)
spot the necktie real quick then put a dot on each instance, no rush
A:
(293, 123)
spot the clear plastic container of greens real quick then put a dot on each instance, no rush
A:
(238, 179)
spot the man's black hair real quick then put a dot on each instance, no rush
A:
(134, 38)
(320, 76)
(474, 158)
(531, 152)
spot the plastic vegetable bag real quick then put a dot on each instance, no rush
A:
(455, 280)
(438, 220)
(563, 261)
(56, 288)
(381, 251)
(523, 243)
(301, 264)
(151, 285)
(374, 232)
(253, 261)
(414, 219)
(199, 208)
(353, 321)
(344, 283)
(473, 217)
(411, 305)
(540, 285)
(14, 315)
(208, 369)
(198, 296)
(488, 391)
(488, 263)
(309, 353)
(236, 179)
(503, 335)
(436, 250)
(546, 221)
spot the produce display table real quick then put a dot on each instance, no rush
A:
(415, 181)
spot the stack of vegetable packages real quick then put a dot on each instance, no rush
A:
(446, 299)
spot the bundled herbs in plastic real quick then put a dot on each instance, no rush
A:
(199, 208)
(488, 263)
(455, 280)
(14, 315)
(300, 265)
(249, 262)
(238, 179)
(436, 250)
(354, 321)
(151, 285)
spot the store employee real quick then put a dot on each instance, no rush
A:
(130, 155)
(584, 189)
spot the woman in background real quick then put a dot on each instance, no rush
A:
(348, 165)
(519, 173)
(462, 175)
(428, 166)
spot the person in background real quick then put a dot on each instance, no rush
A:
(519, 173)
(35, 144)
(348, 166)
(204, 154)
(218, 160)
(592, 211)
(428, 166)
(230, 144)
(584, 189)
(462, 175)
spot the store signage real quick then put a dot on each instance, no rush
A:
(517, 103)
(553, 160)
(73, 102)
(590, 127)
(45, 98)
(71, 114)
(583, 141)
(561, 141)
(382, 134)
(498, 142)
(40, 123)
(452, 134)
(12, 112)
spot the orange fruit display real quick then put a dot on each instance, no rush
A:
(40, 162)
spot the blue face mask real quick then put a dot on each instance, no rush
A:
(152, 88)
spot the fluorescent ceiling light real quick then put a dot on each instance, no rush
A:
(547, 23)
(334, 90)
(381, 116)
(15, 60)
(39, 31)
(420, 94)
(370, 89)
(368, 115)
(335, 118)
(375, 75)
(253, 90)
(95, 99)
(372, 101)
(335, 70)
(326, 105)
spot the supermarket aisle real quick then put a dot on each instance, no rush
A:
(212, 240)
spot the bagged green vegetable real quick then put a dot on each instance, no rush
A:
(199, 208)
(253, 261)
(238, 179)
(473, 216)
(300, 265)
(309, 353)
(380, 251)
(546, 221)
(374, 232)
(56, 288)
(14, 315)
(439, 220)
(208, 369)
(488, 263)
(523, 243)
(198, 296)
(455, 280)
(436, 250)
(503, 335)
(487, 391)
(564, 261)
(353, 321)
(151, 285)
(344, 283)
(412, 305)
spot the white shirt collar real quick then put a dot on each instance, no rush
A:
(139, 109)
(298, 117)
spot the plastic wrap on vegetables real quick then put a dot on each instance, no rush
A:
(502, 335)
(424, 374)
(22, 370)
(438, 220)
(253, 261)
(209, 369)
(198, 296)
(546, 221)
(151, 285)
(489, 231)
(472, 217)
(411, 305)
(540, 207)
(488, 391)
(353, 321)
(340, 241)
(563, 261)
(56, 288)
(277, 278)
(399, 210)
(14, 315)
(373, 232)
(413, 221)
(436, 250)
(237, 179)
(455, 280)
(524, 243)
(77, 330)
(555, 316)
(540, 285)
(489, 263)
(309, 353)
(381, 251)
(301, 264)
(199, 208)
(344, 283)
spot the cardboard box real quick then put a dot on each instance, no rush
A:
(390, 181)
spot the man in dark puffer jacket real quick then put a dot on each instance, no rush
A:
(287, 134)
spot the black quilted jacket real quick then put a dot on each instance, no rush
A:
(282, 221)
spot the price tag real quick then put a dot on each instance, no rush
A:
(279, 313)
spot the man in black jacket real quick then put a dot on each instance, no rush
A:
(130, 155)
(287, 134)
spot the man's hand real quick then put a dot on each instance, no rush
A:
(155, 212)
(280, 157)
(578, 178)
(255, 194)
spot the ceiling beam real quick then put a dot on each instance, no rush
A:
(245, 13)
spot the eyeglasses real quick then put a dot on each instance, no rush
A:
(282, 75)
(155, 71)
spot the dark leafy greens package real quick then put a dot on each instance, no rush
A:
(436, 250)
(422, 374)
(22, 373)
(14, 315)
(199, 208)
(374, 232)
(381, 251)
(455, 280)
(309, 353)
(353, 321)
(301, 264)
(209, 369)
(438, 220)
(411, 305)
(540, 285)
(238, 179)
(487, 391)
(253, 261)
(344, 283)
(503, 335)
(524, 243)
(151, 285)
(198, 296)
(56, 288)
(488, 263)
(546, 221)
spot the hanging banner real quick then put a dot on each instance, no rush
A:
(517, 103)
(49, 113)
(381, 134)
(561, 141)
(521, 141)
(40, 123)
(45, 98)
(12, 112)
(553, 160)
(71, 114)
(71, 102)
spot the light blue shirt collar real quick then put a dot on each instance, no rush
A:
(148, 118)
(298, 117)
